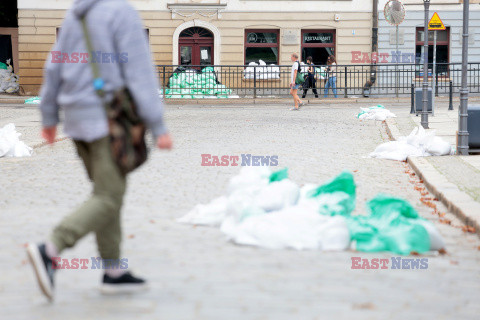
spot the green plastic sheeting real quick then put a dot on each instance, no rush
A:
(34, 100)
(3, 66)
(279, 175)
(392, 224)
(371, 108)
(192, 85)
(343, 189)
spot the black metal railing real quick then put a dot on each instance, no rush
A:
(242, 81)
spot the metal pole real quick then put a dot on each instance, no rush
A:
(450, 96)
(424, 119)
(434, 78)
(463, 110)
(412, 99)
(396, 65)
(346, 83)
(255, 82)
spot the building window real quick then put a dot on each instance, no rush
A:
(443, 49)
(319, 44)
(261, 45)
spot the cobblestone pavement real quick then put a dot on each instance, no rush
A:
(193, 272)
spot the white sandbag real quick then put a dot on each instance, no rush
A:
(249, 177)
(438, 147)
(278, 195)
(418, 143)
(211, 214)
(378, 113)
(293, 227)
(8, 80)
(10, 144)
(436, 240)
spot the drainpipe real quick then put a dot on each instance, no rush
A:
(373, 67)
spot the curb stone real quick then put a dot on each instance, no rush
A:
(458, 202)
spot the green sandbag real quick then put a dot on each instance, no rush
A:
(279, 175)
(342, 189)
(343, 182)
(208, 69)
(393, 225)
(3, 66)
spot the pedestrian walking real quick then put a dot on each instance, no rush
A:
(296, 80)
(332, 76)
(119, 75)
(310, 82)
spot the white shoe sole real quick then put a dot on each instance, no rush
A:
(40, 272)
(114, 289)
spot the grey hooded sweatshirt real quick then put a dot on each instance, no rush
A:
(123, 56)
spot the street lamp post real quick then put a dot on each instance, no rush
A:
(463, 110)
(424, 120)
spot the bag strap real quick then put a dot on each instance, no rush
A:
(98, 82)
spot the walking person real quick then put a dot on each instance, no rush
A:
(114, 29)
(310, 82)
(332, 76)
(296, 81)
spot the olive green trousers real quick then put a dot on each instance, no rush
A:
(101, 212)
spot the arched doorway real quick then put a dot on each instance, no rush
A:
(195, 47)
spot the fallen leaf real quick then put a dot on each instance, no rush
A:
(454, 262)
(131, 236)
(152, 221)
(443, 251)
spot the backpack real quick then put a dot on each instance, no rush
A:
(300, 79)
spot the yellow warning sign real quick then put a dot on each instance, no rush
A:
(436, 23)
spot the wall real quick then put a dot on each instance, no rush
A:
(38, 22)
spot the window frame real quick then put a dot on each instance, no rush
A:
(261, 45)
(430, 43)
(319, 45)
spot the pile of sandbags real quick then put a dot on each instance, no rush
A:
(191, 84)
(8, 79)
(262, 71)
(418, 143)
(375, 113)
(269, 210)
(33, 100)
(10, 144)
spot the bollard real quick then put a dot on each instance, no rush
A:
(450, 96)
(345, 94)
(412, 99)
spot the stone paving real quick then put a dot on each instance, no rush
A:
(193, 272)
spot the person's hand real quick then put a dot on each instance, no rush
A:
(49, 134)
(291, 85)
(164, 142)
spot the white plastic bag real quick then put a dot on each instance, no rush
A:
(10, 144)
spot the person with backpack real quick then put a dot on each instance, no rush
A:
(296, 80)
(107, 105)
(310, 82)
(332, 76)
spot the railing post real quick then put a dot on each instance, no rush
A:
(436, 84)
(345, 91)
(412, 99)
(164, 85)
(254, 82)
(450, 96)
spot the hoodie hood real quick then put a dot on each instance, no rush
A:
(80, 7)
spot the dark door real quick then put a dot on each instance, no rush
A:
(195, 47)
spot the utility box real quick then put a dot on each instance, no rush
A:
(419, 100)
(473, 127)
